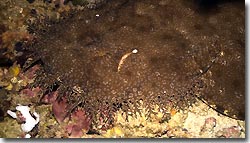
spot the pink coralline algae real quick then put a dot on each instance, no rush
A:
(31, 92)
(80, 124)
(231, 132)
(209, 124)
(59, 109)
(50, 97)
(30, 73)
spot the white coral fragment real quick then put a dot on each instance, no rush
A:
(29, 121)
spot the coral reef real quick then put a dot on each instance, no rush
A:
(15, 17)
(123, 68)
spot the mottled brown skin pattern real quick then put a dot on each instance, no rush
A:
(174, 42)
(93, 4)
